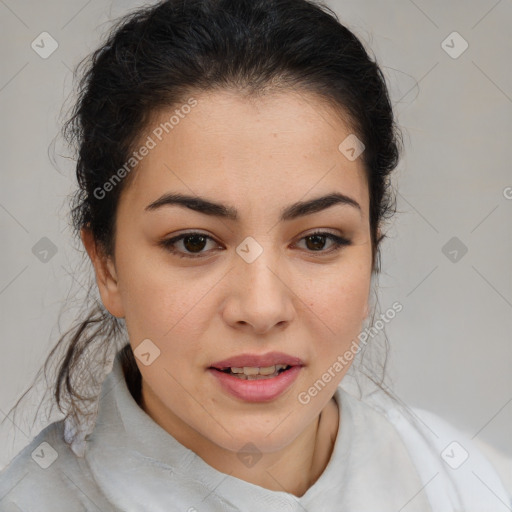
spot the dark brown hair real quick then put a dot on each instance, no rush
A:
(154, 58)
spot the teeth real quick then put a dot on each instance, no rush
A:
(249, 370)
(268, 370)
(252, 372)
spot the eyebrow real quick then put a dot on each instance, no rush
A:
(291, 212)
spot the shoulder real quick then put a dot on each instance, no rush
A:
(458, 447)
(459, 444)
(47, 475)
(501, 462)
(445, 453)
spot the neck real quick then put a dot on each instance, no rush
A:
(293, 469)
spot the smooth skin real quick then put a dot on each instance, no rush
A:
(300, 296)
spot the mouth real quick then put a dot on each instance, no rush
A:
(257, 378)
(255, 372)
(254, 366)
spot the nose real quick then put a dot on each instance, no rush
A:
(259, 297)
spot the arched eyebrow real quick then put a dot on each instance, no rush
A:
(291, 212)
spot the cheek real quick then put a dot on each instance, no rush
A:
(150, 298)
(161, 311)
(339, 298)
(335, 315)
(168, 307)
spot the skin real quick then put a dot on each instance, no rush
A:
(258, 156)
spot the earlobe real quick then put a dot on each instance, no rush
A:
(106, 275)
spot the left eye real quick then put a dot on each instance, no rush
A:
(318, 238)
(194, 243)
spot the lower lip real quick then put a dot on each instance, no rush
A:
(259, 390)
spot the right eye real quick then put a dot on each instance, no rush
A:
(192, 241)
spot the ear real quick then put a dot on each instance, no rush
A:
(379, 232)
(366, 310)
(106, 275)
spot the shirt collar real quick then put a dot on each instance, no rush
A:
(139, 466)
(127, 448)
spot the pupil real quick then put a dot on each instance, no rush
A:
(317, 238)
(193, 246)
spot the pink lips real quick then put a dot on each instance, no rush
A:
(259, 390)
(259, 361)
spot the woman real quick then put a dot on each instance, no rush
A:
(234, 163)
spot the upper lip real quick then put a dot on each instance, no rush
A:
(258, 361)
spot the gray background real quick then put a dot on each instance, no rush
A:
(451, 344)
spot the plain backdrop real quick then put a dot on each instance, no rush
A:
(447, 258)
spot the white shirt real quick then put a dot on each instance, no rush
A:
(380, 463)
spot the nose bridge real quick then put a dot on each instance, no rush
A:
(260, 292)
(259, 264)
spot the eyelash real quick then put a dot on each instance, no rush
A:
(169, 243)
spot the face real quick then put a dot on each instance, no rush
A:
(249, 284)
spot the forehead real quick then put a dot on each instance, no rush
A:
(274, 148)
